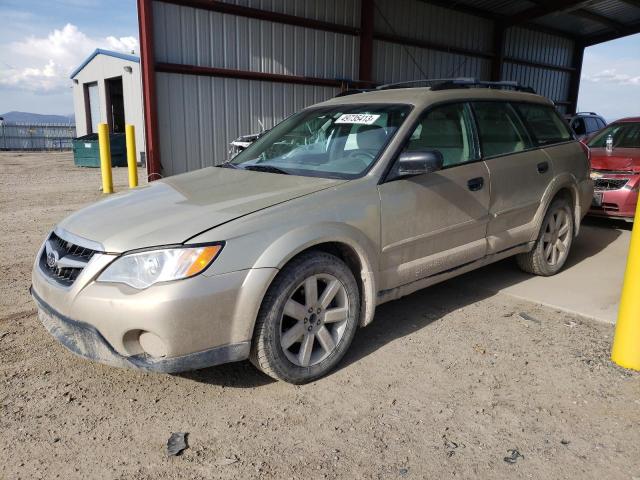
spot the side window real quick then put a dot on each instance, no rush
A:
(591, 123)
(578, 126)
(601, 123)
(447, 129)
(544, 123)
(500, 129)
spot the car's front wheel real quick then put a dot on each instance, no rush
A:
(307, 320)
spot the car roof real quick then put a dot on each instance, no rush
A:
(424, 96)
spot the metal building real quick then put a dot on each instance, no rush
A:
(213, 70)
(107, 88)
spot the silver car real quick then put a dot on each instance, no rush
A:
(282, 253)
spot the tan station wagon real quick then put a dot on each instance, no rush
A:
(281, 253)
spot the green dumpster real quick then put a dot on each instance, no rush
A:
(86, 151)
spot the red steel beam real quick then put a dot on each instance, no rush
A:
(147, 62)
(248, 75)
(366, 40)
(414, 42)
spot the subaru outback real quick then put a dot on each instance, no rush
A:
(281, 253)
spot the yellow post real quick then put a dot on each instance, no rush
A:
(105, 158)
(131, 156)
(626, 342)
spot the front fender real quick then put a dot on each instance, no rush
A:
(295, 241)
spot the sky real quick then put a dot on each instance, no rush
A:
(43, 41)
(610, 83)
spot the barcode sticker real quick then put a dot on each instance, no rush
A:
(360, 118)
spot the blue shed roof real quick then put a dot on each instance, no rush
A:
(109, 53)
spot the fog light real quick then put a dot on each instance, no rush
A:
(152, 345)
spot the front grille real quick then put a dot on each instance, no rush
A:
(609, 183)
(63, 261)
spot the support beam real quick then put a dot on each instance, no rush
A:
(499, 33)
(150, 106)
(542, 9)
(608, 36)
(366, 40)
(602, 20)
(414, 42)
(249, 75)
(574, 84)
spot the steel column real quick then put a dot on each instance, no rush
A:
(150, 105)
(574, 86)
(366, 40)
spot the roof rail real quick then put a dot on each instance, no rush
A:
(453, 83)
(586, 113)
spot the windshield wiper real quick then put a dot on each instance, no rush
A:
(227, 165)
(266, 168)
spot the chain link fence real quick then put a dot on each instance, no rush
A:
(36, 136)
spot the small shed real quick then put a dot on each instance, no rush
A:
(107, 88)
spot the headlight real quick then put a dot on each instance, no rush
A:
(143, 269)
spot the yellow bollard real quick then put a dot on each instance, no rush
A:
(105, 158)
(131, 156)
(626, 342)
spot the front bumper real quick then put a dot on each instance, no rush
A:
(169, 327)
(87, 342)
(617, 204)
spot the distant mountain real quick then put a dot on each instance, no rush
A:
(24, 117)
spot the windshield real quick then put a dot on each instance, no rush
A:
(336, 142)
(625, 135)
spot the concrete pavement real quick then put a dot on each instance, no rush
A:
(589, 284)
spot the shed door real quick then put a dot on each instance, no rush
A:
(93, 107)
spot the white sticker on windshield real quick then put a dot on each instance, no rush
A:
(361, 118)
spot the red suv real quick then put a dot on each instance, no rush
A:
(615, 169)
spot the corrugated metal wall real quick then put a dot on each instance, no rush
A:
(528, 45)
(199, 115)
(211, 39)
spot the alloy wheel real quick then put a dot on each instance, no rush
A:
(556, 237)
(314, 320)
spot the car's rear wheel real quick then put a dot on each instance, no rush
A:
(552, 247)
(307, 320)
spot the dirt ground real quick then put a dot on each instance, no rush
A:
(446, 383)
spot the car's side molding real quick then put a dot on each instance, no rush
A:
(296, 241)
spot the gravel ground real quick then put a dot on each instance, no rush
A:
(446, 383)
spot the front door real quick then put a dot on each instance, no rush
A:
(436, 221)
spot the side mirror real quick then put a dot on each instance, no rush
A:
(419, 162)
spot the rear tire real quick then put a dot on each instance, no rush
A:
(307, 319)
(551, 250)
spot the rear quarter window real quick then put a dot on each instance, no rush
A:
(544, 123)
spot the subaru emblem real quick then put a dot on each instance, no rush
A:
(52, 258)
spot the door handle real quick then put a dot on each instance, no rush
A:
(543, 167)
(475, 184)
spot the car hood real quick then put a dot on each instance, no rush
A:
(620, 159)
(172, 210)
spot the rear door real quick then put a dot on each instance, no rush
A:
(436, 221)
(520, 173)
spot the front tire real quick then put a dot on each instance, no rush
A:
(307, 319)
(552, 247)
